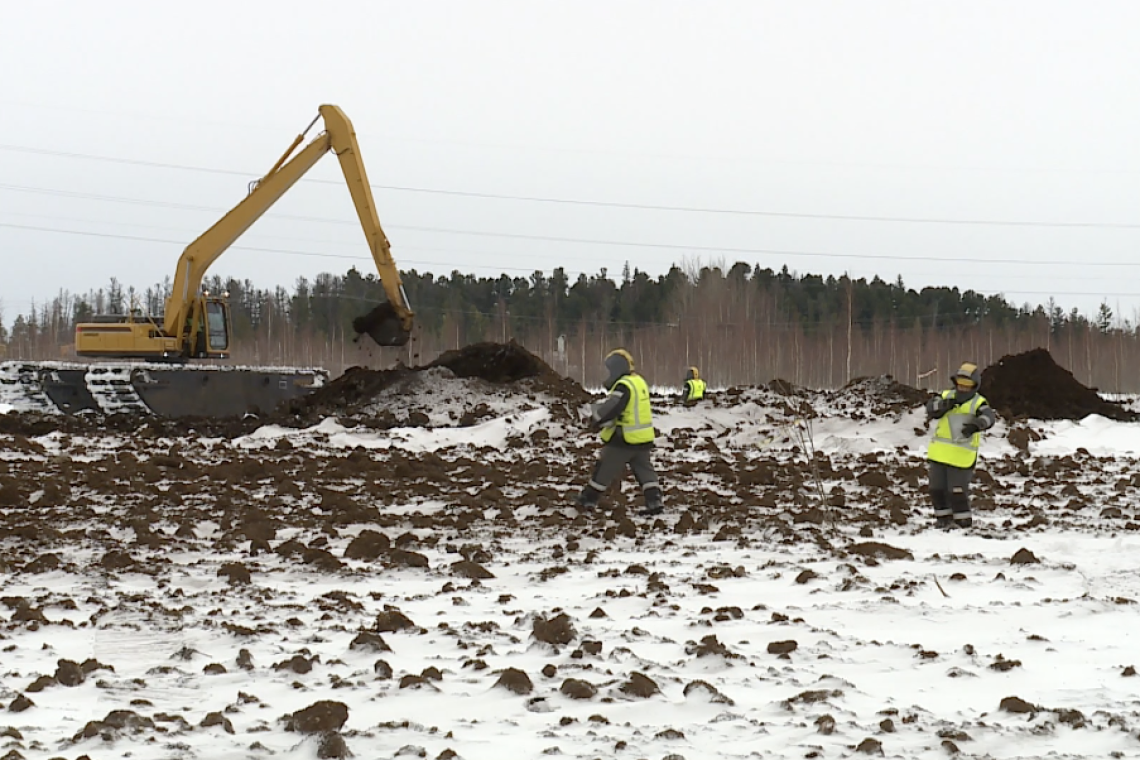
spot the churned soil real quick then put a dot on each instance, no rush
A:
(497, 363)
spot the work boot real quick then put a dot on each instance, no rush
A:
(960, 506)
(654, 504)
(943, 518)
(587, 500)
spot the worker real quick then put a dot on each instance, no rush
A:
(962, 415)
(694, 388)
(625, 421)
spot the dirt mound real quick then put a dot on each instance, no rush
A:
(784, 388)
(1033, 385)
(876, 396)
(509, 363)
(358, 385)
(497, 363)
(493, 362)
(885, 389)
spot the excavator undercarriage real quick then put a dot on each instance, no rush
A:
(162, 389)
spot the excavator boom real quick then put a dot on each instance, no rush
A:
(340, 138)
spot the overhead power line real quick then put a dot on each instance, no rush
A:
(604, 204)
(578, 259)
(564, 239)
(284, 251)
(451, 265)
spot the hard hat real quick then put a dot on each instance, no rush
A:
(620, 352)
(968, 375)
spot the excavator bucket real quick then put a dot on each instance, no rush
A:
(382, 325)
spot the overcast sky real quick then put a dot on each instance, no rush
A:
(940, 141)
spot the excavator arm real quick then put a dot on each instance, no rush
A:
(389, 324)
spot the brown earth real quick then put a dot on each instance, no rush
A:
(1031, 384)
(497, 363)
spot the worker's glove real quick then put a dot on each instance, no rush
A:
(937, 407)
(970, 427)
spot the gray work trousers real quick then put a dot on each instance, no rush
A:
(950, 491)
(612, 461)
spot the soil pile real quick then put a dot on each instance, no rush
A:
(493, 362)
(878, 395)
(1033, 385)
(887, 390)
(510, 363)
(497, 363)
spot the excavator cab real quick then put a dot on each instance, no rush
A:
(218, 325)
(213, 331)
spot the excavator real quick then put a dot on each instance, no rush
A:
(152, 364)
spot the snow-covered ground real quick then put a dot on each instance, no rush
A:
(435, 581)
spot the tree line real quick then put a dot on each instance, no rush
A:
(740, 324)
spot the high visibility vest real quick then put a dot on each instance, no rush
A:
(636, 420)
(696, 389)
(949, 446)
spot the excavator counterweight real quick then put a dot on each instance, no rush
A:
(148, 363)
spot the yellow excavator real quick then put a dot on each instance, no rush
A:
(149, 369)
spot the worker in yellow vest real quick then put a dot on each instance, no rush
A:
(694, 388)
(962, 415)
(625, 421)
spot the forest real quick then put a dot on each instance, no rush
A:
(739, 324)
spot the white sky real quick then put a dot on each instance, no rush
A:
(1021, 112)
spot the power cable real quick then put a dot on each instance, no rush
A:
(141, 239)
(598, 241)
(294, 238)
(605, 204)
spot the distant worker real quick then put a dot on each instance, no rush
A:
(962, 415)
(694, 388)
(625, 421)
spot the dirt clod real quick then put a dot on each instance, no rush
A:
(389, 621)
(1018, 705)
(558, 630)
(325, 715)
(640, 685)
(878, 549)
(515, 680)
(575, 688)
(1024, 557)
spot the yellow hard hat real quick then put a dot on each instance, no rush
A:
(623, 354)
(967, 375)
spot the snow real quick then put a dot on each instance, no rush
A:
(913, 640)
(493, 434)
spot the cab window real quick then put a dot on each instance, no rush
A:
(216, 329)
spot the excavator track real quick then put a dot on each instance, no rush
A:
(163, 390)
